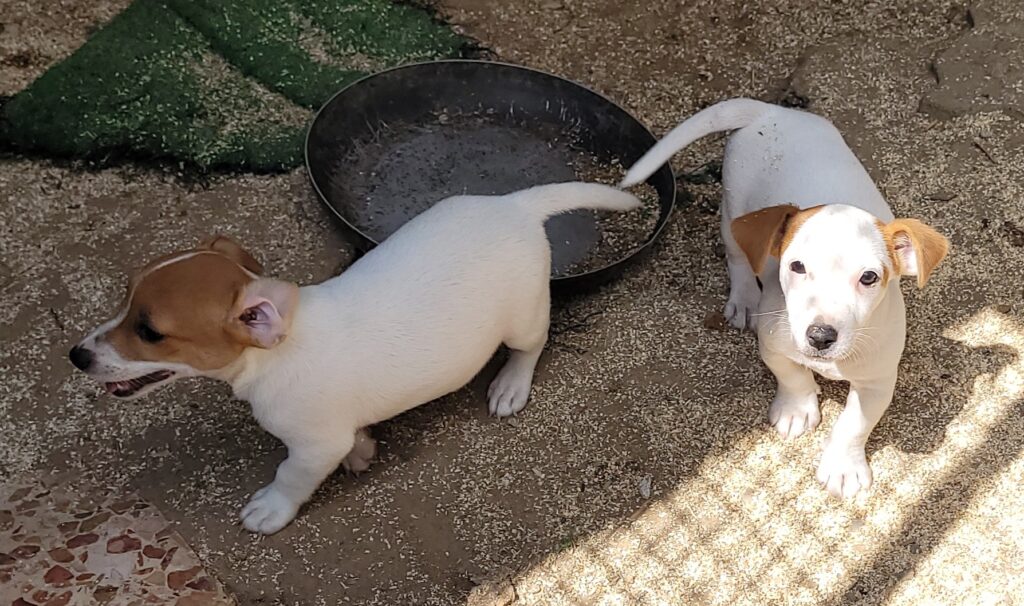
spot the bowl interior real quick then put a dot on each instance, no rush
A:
(391, 145)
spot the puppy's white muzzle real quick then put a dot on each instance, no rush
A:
(125, 379)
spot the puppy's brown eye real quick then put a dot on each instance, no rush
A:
(797, 267)
(147, 334)
(868, 278)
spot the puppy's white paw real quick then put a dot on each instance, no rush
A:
(793, 417)
(741, 308)
(844, 471)
(268, 511)
(509, 391)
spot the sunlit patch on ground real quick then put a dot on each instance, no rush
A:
(744, 531)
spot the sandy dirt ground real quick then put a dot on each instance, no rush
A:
(643, 471)
(35, 35)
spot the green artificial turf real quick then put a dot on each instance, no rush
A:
(214, 83)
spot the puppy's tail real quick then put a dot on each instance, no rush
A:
(557, 198)
(727, 115)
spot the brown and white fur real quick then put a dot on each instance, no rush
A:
(800, 213)
(414, 319)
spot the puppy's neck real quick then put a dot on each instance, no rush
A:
(235, 373)
(255, 362)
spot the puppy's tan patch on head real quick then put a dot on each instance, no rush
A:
(179, 311)
(232, 250)
(890, 250)
(793, 226)
(769, 231)
(914, 248)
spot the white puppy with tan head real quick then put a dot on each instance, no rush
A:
(414, 319)
(800, 213)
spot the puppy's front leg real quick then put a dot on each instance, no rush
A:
(844, 466)
(275, 505)
(794, 410)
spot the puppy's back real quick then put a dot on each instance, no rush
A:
(796, 157)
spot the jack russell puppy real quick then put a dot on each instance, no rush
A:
(414, 319)
(801, 214)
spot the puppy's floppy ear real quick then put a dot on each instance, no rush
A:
(262, 313)
(760, 233)
(232, 250)
(916, 248)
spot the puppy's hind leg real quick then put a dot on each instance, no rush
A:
(744, 293)
(510, 390)
(359, 458)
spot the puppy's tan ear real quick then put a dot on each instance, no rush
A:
(262, 313)
(232, 250)
(760, 233)
(916, 249)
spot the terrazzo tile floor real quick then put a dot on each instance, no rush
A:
(60, 549)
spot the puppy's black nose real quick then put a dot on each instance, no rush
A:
(821, 336)
(80, 357)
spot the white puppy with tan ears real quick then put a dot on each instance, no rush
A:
(800, 213)
(414, 319)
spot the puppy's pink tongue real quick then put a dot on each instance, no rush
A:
(116, 387)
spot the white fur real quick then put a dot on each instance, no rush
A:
(784, 156)
(414, 319)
